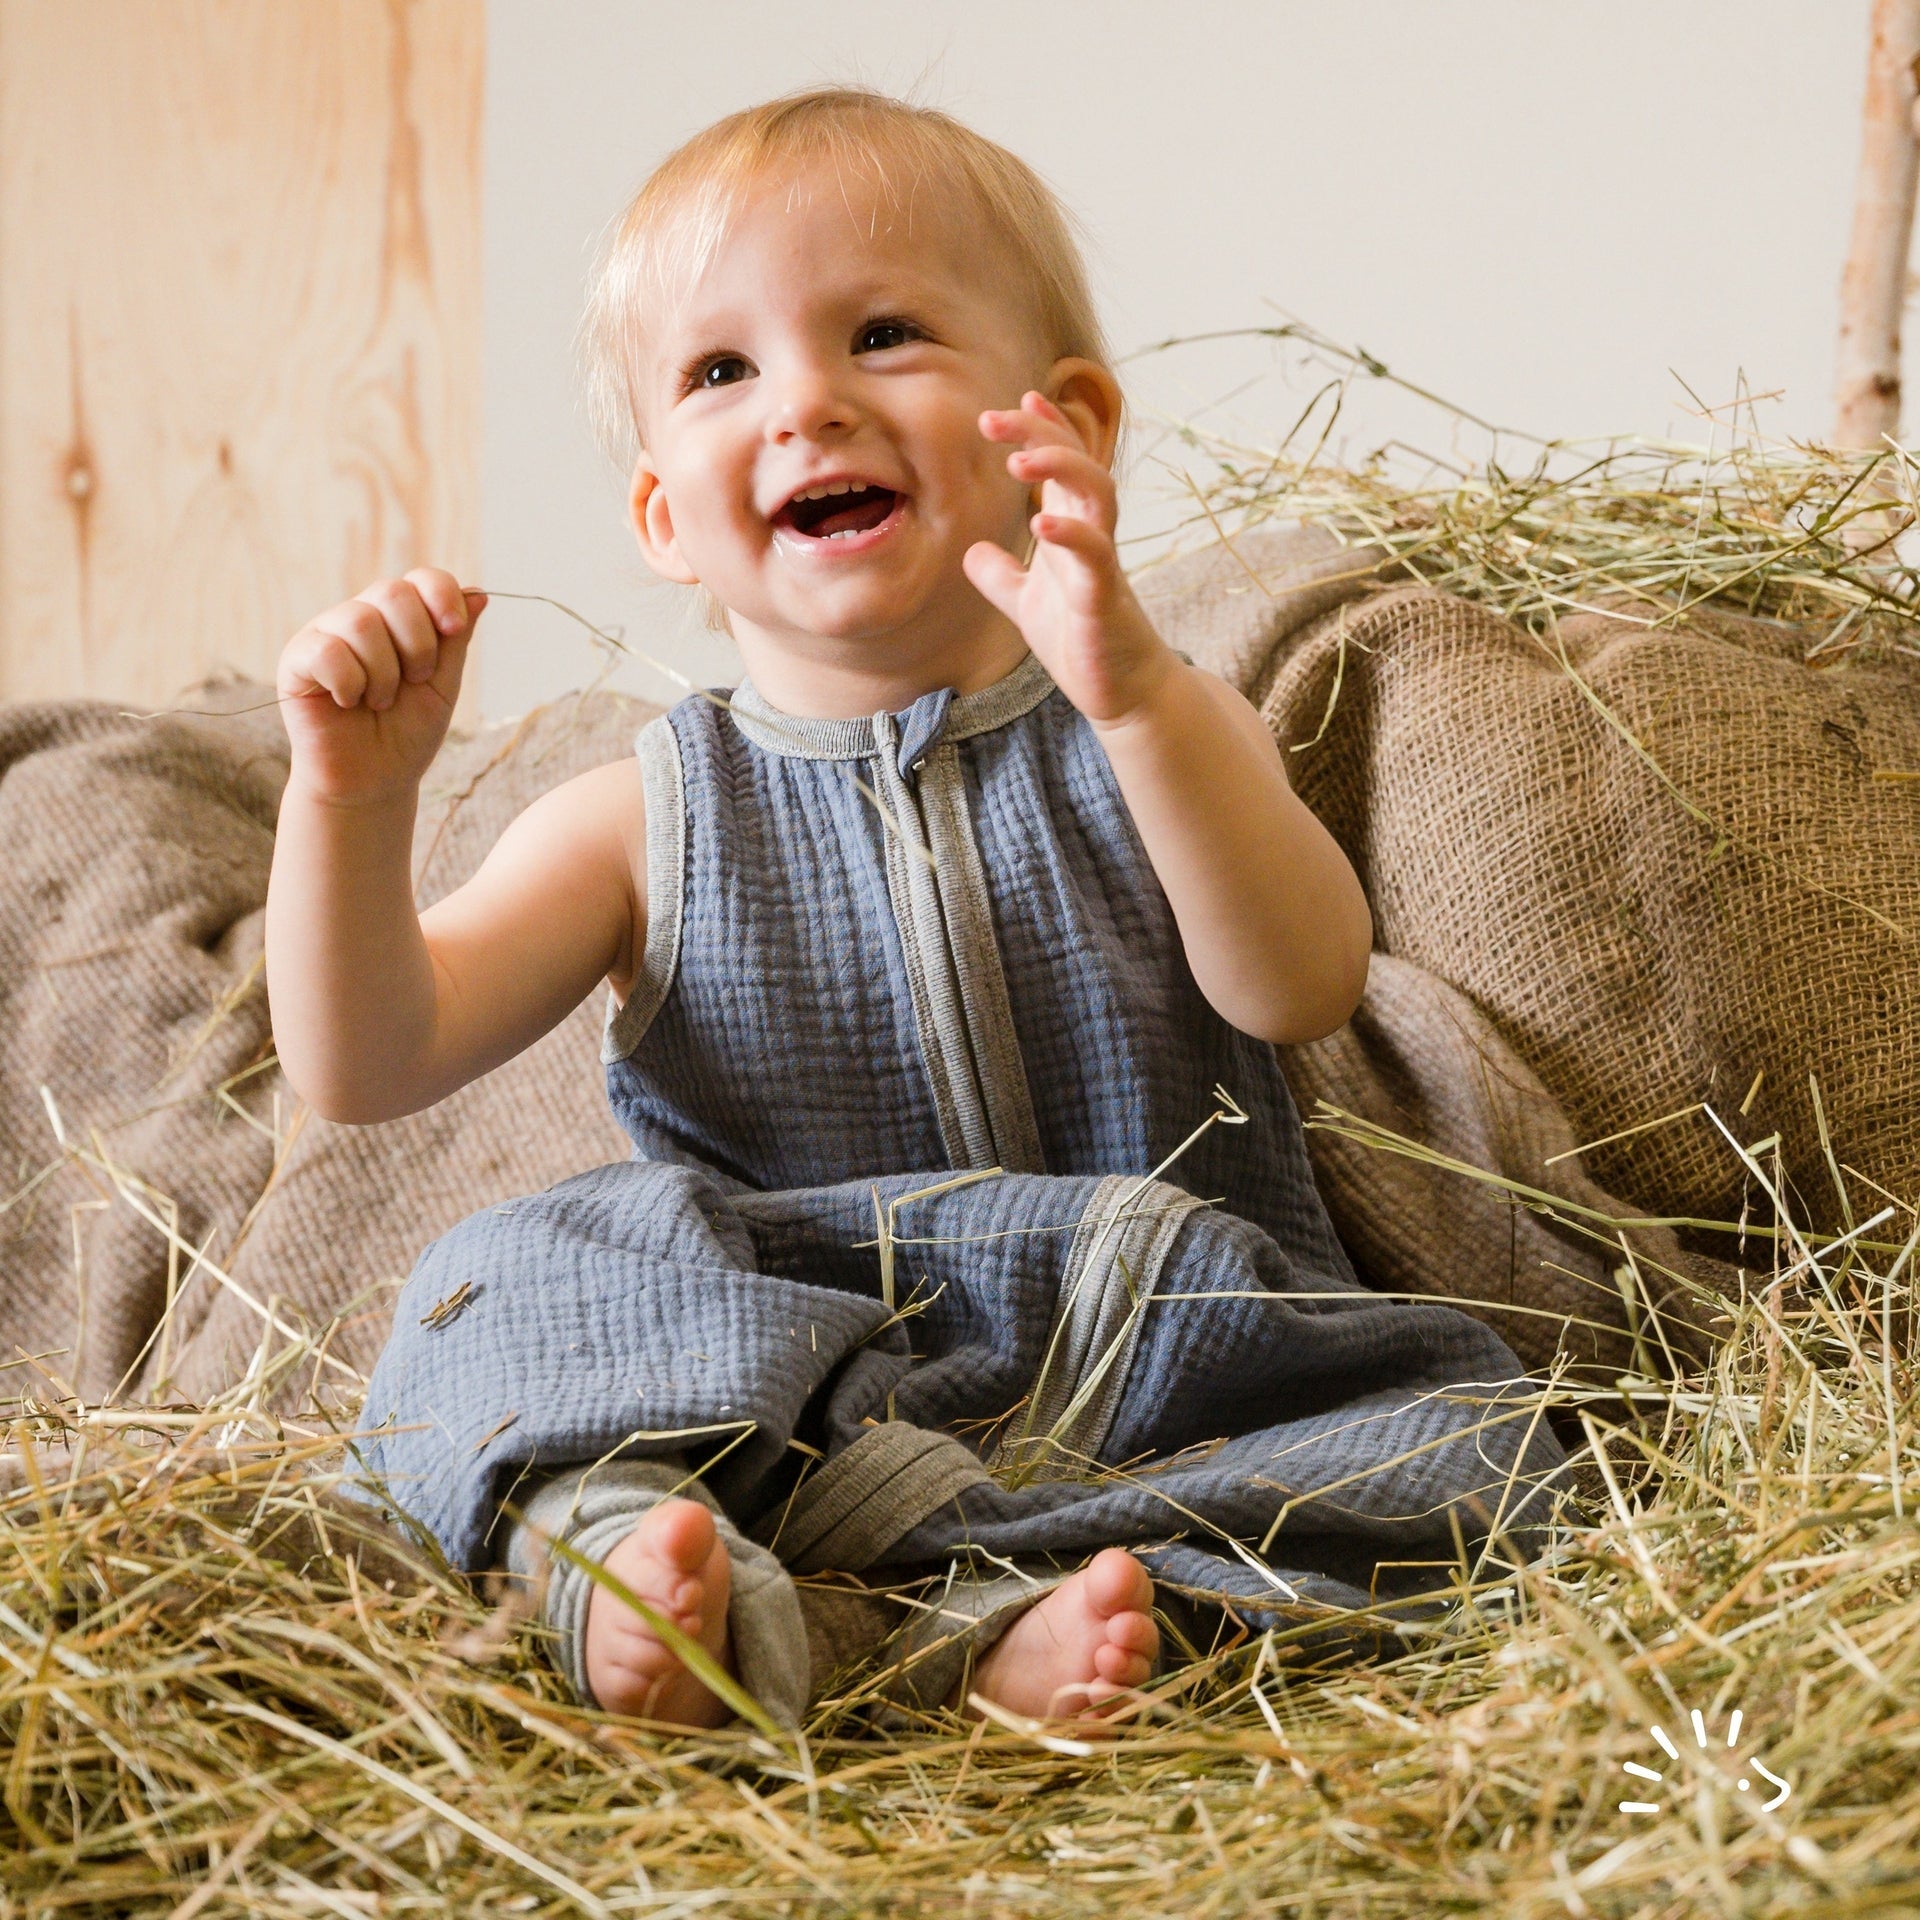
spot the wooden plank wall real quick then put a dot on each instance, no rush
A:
(239, 324)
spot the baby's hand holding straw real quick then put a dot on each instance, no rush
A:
(367, 689)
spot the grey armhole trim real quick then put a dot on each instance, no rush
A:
(976, 963)
(663, 782)
(1126, 1231)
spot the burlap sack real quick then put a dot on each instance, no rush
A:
(136, 865)
(1662, 863)
(131, 989)
(1538, 1252)
(352, 1207)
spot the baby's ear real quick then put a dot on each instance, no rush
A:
(652, 517)
(1089, 395)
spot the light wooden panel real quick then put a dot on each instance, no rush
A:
(239, 324)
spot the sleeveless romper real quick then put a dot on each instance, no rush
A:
(929, 940)
(914, 975)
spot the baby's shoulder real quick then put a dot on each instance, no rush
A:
(598, 815)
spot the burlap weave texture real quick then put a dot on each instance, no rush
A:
(1662, 862)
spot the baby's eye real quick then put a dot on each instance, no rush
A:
(721, 370)
(878, 335)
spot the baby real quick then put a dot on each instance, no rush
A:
(974, 876)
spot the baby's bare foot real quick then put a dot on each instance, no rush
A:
(1089, 1640)
(675, 1562)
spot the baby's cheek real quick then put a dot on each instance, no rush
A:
(728, 536)
(987, 465)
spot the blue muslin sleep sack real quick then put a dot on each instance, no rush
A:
(909, 1252)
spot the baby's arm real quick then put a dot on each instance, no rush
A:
(1274, 923)
(379, 1010)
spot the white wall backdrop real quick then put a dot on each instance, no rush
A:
(1543, 209)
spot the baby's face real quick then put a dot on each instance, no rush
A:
(813, 453)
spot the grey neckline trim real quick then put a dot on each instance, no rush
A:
(801, 738)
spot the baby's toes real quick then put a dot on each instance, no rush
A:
(1126, 1654)
(624, 1678)
(680, 1537)
(684, 1602)
(1122, 1666)
(632, 1634)
(1115, 1583)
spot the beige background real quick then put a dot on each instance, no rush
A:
(1537, 207)
(247, 346)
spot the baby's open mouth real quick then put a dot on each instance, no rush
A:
(838, 510)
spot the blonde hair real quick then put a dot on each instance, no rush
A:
(670, 230)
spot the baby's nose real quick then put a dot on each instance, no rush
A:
(809, 403)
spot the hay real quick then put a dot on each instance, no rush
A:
(1540, 528)
(206, 1711)
(209, 1708)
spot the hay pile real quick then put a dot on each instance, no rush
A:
(208, 1709)
(203, 1713)
(1538, 529)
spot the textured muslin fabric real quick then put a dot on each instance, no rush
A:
(628, 1309)
(936, 1134)
(790, 1046)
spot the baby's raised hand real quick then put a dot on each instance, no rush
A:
(1071, 602)
(368, 688)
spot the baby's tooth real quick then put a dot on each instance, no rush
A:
(838, 486)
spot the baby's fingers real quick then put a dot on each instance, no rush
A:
(1075, 482)
(322, 665)
(412, 627)
(451, 608)
(365, 631)
(1079, 537)
(996, 574)
(1035, 422)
